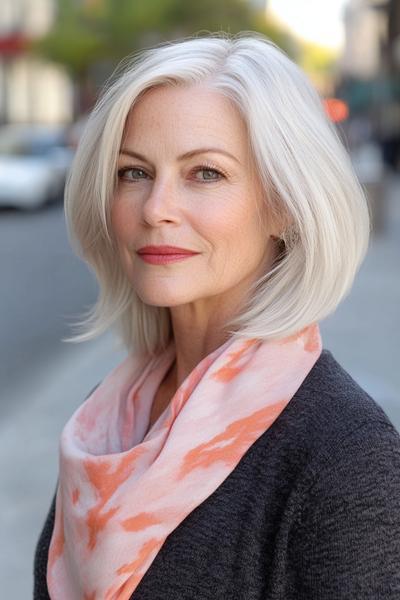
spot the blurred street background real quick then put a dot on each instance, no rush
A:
(55, 56)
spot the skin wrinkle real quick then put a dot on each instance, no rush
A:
(172, 205)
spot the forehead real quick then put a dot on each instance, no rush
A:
(190, 115)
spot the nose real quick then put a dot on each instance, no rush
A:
(162, 203)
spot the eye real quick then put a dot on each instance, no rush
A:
(208, 173)
(131, 174)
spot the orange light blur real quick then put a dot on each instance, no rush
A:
(336, 109)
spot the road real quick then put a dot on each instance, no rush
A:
(44, 286)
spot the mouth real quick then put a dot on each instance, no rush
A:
(163, 259)
(161, 255)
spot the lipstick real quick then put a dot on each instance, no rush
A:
(162, 255)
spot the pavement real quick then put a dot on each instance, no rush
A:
(29, 452)
(363, 335)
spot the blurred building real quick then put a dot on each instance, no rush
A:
(31, 90)
(370, 70)
(365, 33)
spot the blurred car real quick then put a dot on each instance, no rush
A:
(34, 162)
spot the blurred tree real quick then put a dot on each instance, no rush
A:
(90, 37)
(320, 63)
(317, 58)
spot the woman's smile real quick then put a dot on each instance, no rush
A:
(163, 254)
(164, 259)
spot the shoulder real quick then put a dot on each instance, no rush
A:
(348, 509)
(348, 520)
(330, 381)
(330, 406)
(330, 424)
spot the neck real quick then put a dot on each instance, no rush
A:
(195, 337)
(199, 327)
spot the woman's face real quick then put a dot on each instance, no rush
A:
(186, 179)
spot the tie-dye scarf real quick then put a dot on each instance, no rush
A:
(122, 491)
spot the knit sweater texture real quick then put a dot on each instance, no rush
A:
(310, 512)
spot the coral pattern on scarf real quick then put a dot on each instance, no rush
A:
(122, 489)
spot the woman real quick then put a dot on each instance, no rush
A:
(229, 455)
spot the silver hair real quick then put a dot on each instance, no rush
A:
(304, 168)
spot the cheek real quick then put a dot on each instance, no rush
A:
(233, 227)
(124, 232)
(123, 219)
(223, 216)
(236, 244)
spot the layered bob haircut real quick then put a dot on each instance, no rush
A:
(304, 169)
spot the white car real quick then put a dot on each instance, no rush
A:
(34, 162)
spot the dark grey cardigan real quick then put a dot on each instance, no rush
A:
(311, 511)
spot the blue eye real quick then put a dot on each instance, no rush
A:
(210, 174)
(132, 173)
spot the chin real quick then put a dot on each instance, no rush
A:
(164, 299)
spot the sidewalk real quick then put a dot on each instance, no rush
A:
(29, 452)
(363, 335)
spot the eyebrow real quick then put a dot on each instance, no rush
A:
(182, 156)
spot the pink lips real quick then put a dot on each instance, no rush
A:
(161, 255)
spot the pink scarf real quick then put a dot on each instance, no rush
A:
(122, 492)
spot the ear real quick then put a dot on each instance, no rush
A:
(279, 221)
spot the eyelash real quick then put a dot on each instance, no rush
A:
(203, 167)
